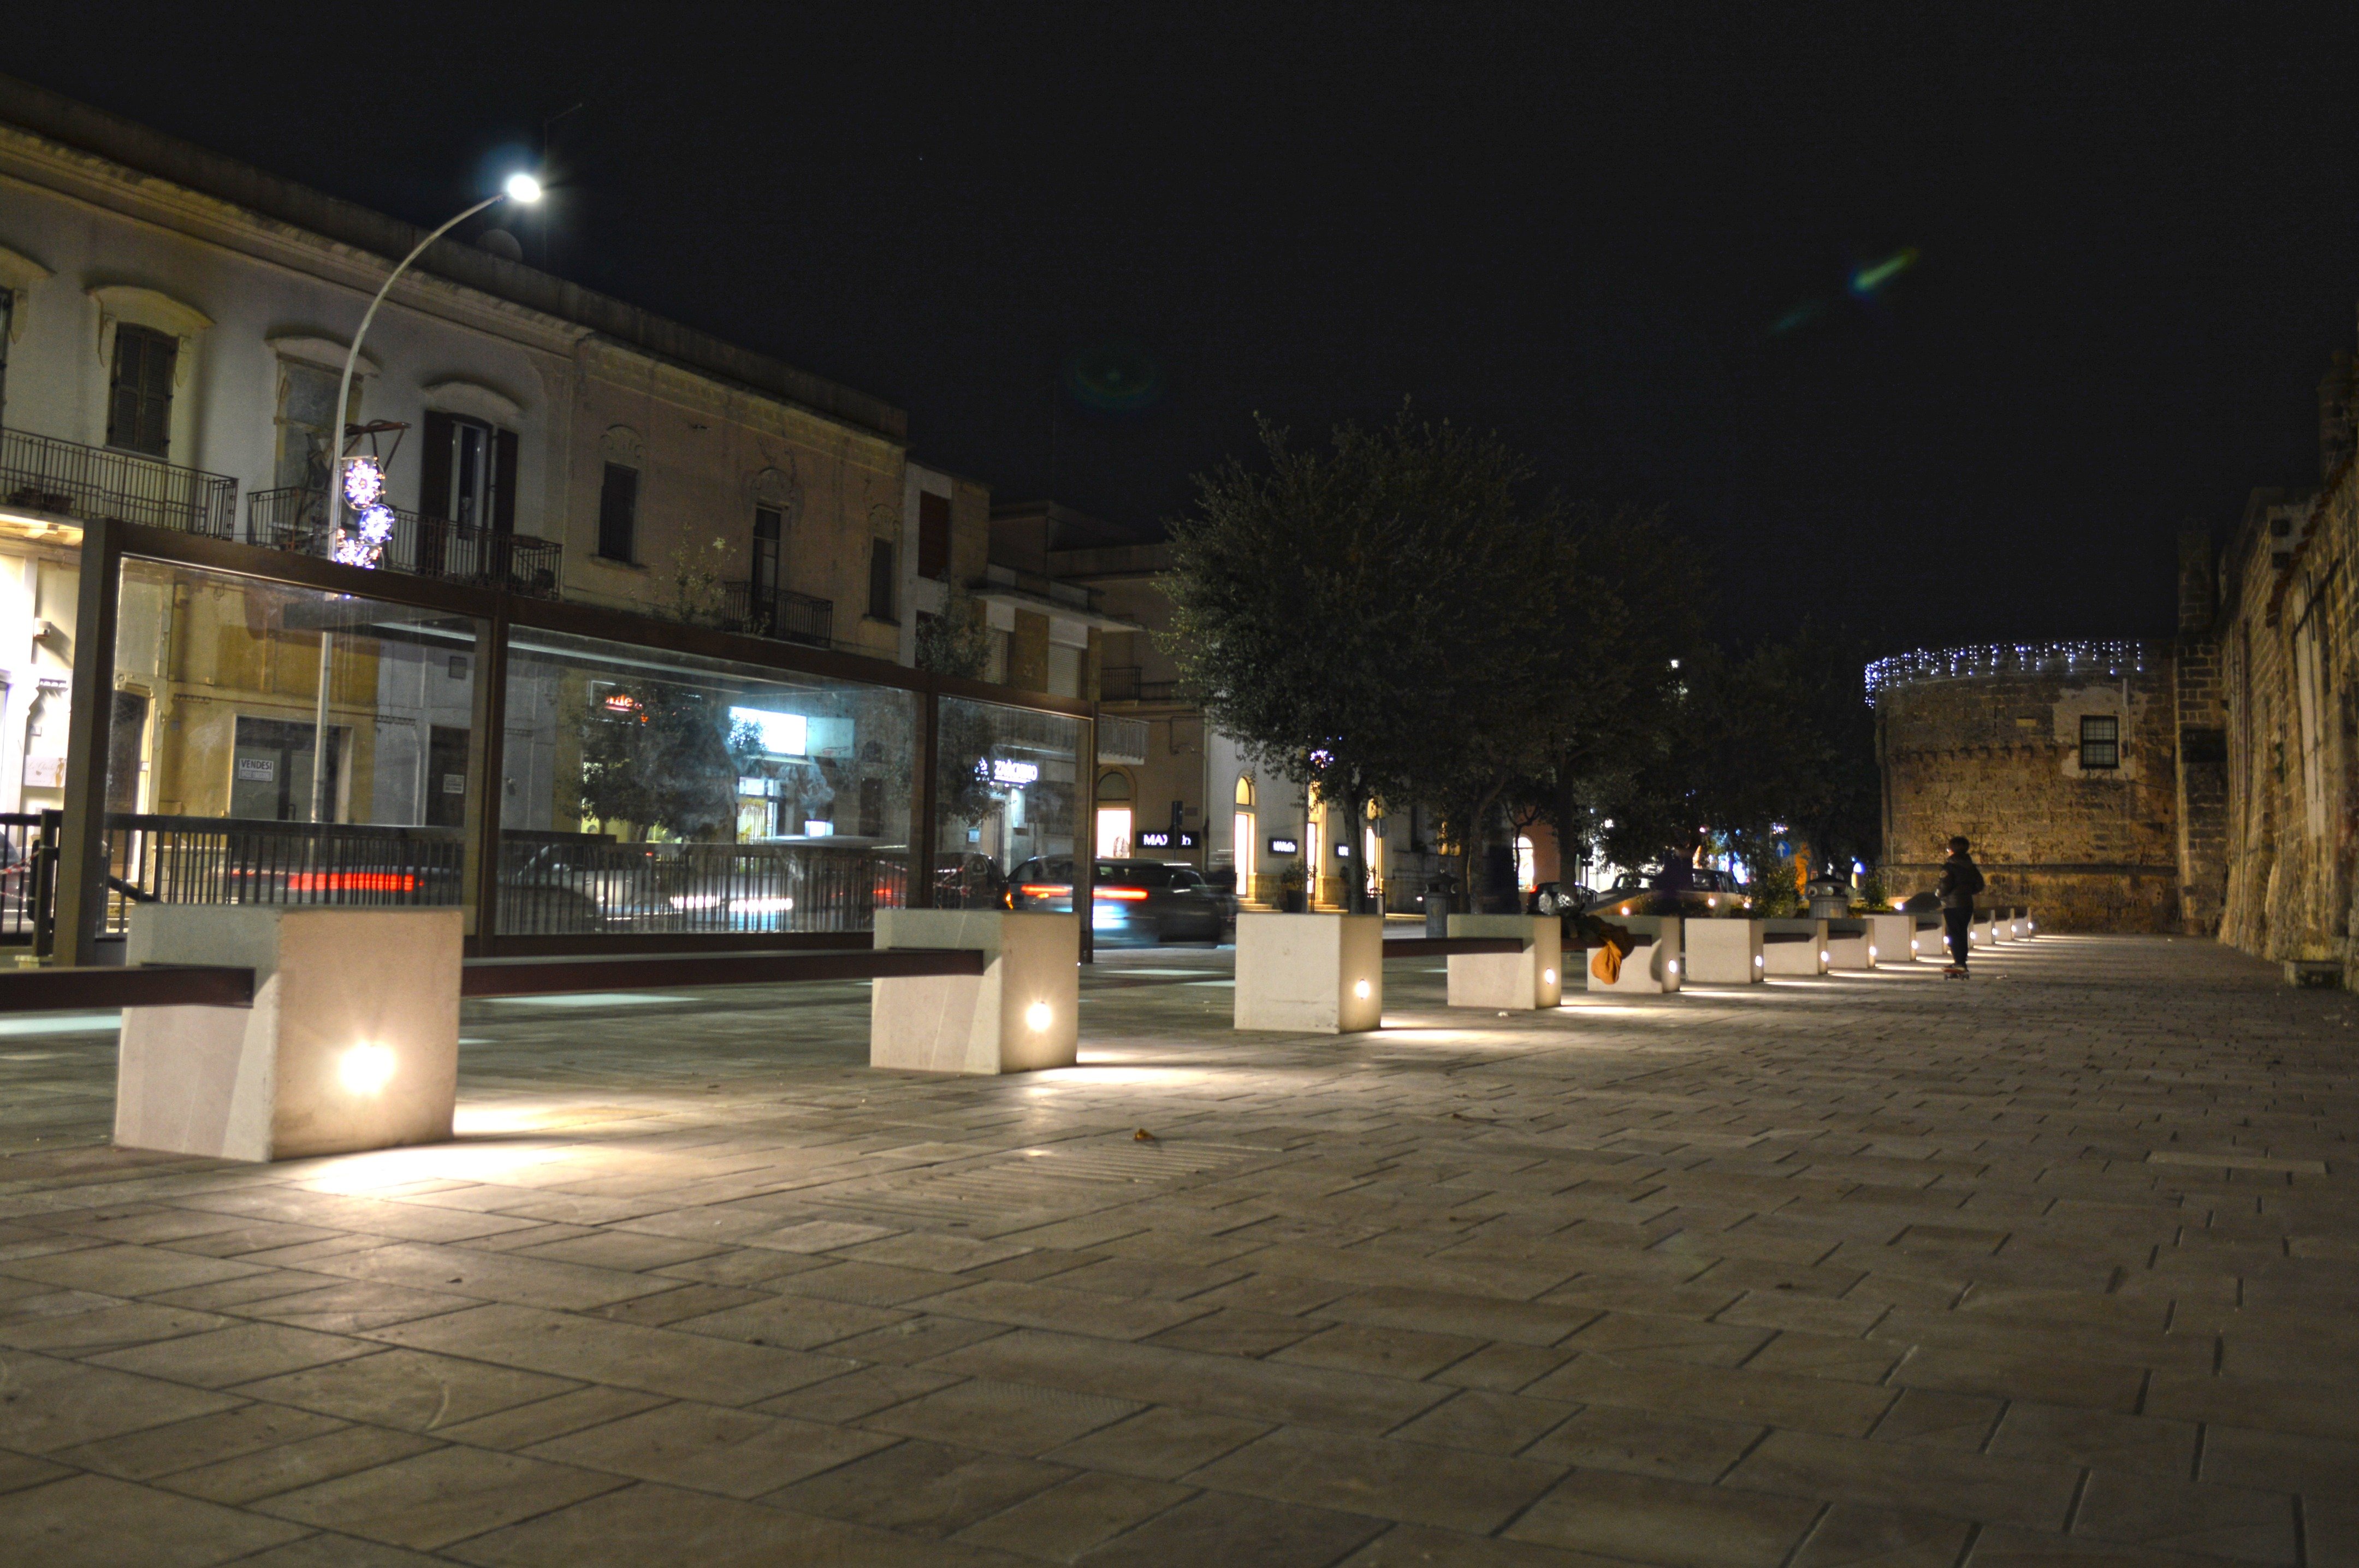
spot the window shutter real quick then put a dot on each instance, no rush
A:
(933, 535)
(504, 482)
(618, 508)
(434, 474)
(880, 580)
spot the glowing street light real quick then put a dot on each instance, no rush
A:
(521, 187)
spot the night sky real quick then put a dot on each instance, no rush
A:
(1083, 246)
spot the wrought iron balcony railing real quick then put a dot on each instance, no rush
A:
(777, 612)
(296, 519)
(1121, 683)
(78, 483)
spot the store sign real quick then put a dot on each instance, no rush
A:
(1343, 851)
(1286, 846)
(258, 769)
(1156, 839)
(1006, 772)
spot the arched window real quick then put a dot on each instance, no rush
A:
(1114, 786)
(1244, 790)
(1242, 830)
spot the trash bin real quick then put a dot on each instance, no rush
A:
(1830, 898)
(1438, 892)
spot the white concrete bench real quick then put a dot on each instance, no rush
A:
(1723, 952)
(1529, 976)
(1891, 938)
(1795, 946)
(1651, 967)
(1310, 974)
(1847, 945)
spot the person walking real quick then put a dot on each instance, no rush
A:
(1961, 880)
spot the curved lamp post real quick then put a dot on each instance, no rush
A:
(521, 187)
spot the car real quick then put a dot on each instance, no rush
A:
(1708, 892)
(1143, 901)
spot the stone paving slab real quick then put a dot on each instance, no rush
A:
(2057, 1267)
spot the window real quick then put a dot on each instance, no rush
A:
(769, 530)
(880, 580)
(618, 513)
(470, 473)
(933, 537)
(139, 394)
(2101, 741)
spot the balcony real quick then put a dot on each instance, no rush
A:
(296, 519)
(1121, 683)
(44, 479)
(778, 613)
(1035, 585)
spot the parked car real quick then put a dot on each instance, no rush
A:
(1132, 900)
(1559, 897)
(1708, 892)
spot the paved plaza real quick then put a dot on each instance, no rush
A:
(2060, 1263)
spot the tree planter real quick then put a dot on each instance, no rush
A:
(1019, 1015)
(1516, 982)
(1724, 952)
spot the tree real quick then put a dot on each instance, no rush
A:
(657, 754)
(1380, 619)
(958, 641)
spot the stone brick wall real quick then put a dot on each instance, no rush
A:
(1999, 758)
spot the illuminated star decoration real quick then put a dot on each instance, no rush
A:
(373, 519)
(1865, 286)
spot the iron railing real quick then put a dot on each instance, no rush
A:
(778, 613)
(84, 483)
(565, 884)
(1121, 683)
(294, 518)
(28, 855)
(236, 859)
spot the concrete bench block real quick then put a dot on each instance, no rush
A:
(1891, 938)
(352, 1041)
(1794, 947)
(1847, 945)
(1653, 968)
(1932, 940)
(1022, 1013)
(1980, 934)
(1723, 952)
(1514, 982)
(1310, 974)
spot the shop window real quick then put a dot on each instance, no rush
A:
(139, 391)
(618, 513)
(2101, 741)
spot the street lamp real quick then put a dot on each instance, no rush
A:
(521, 187)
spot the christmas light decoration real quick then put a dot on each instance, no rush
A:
(2078, 658)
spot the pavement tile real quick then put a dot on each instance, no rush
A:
(1022, 1305)
(1851, 1536)
(103, 1327)
(1946, 1421)
(410, 1389)
(646, 1524)
(1006, 1418)
(1647, 1519)
(1485, 1422)
(521, 1426)
(124, 1271)
(1772, 1399)
(1639, 1443)
(1391, 1480)
(2105, 1440)
(432, 1499)
(927, 1489)
(1217, 1527)
(236, 1354)
(1387, 1352)
(1074, 1516)
(2311, 1409)
(46, 1405)
(1255, 1391)
(659, 1360)
(208, 1439)
(491, 1276)
(1973, 1487)
(302, 1463)
(711, 1448)
(855, 1394)
(2177, 1515)
(798, 1323)
(97, 1522)
(1159, 1443)
(1422, 1546)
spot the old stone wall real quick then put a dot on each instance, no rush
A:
(2286, 655)
(2000, 758)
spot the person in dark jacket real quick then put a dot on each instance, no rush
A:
(1961, 880)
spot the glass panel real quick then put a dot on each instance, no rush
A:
(212, 792)
(657, 792)
(1005, 793)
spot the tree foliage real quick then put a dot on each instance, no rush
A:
(1378, 620)
(659, 755)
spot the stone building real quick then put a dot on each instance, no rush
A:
(2209, 784)
(2058, 761)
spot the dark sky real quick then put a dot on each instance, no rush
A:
(2136, 247)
